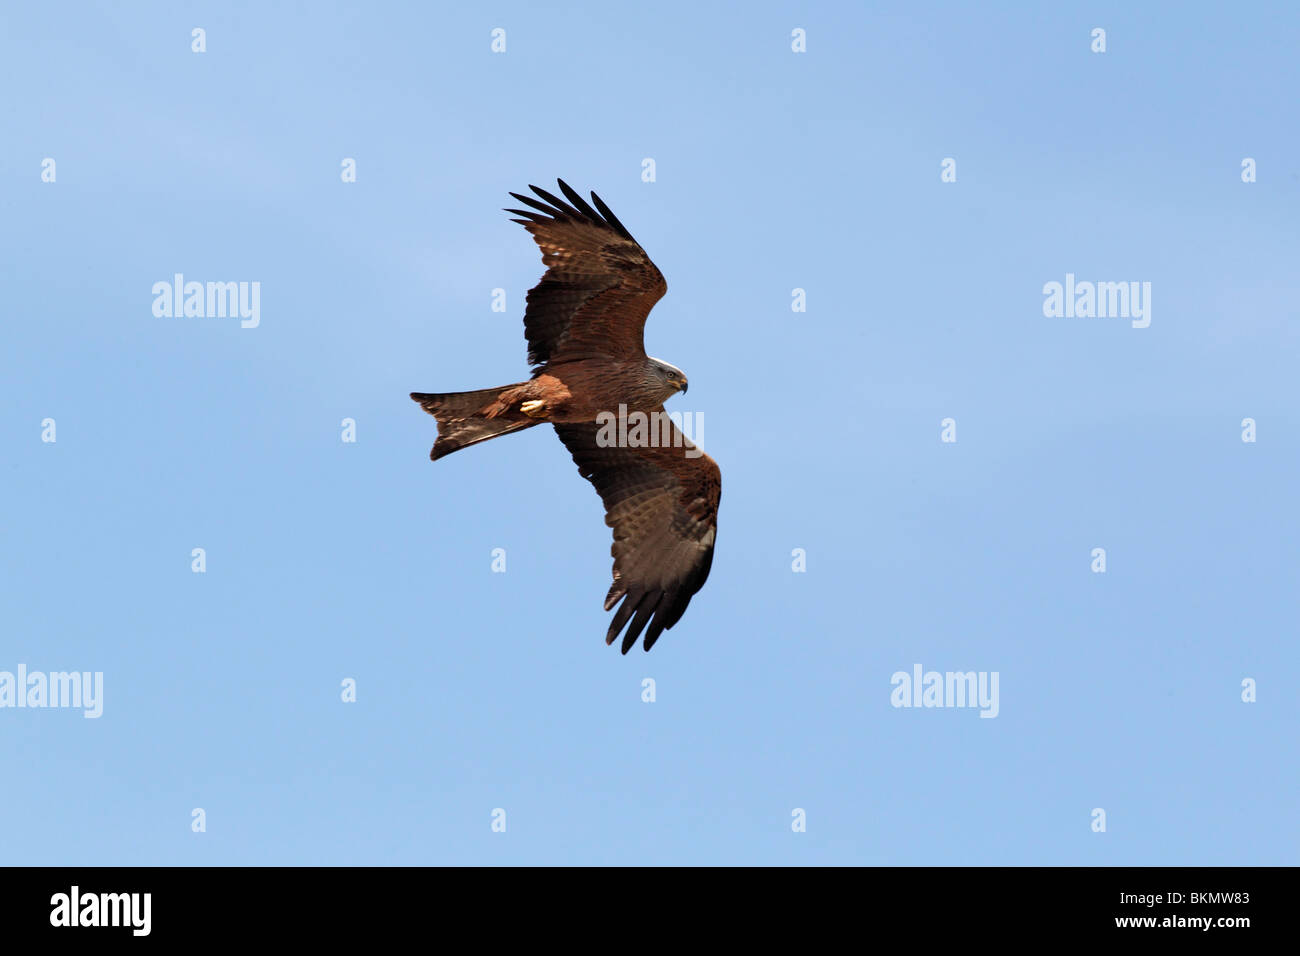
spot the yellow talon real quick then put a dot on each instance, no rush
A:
(531, 408)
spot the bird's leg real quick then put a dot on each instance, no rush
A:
(533, 409)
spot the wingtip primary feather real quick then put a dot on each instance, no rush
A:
(564, 208)
(575, 208)
(610, 218)
(582, 205)
(616, 591)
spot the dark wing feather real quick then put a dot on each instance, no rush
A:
(663, 507)
(599, 284)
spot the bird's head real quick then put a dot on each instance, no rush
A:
(670, 377)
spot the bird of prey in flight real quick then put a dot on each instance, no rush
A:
(584, 323)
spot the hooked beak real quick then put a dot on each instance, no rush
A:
(685, 385)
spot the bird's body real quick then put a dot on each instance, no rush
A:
(584, 326)
(597, 385)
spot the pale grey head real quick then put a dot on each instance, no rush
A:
(668, 379)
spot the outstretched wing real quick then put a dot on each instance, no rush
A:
(599, 284)
(663, 507)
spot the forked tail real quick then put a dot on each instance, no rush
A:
(467, 418)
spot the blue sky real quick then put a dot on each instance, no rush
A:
(775, 170)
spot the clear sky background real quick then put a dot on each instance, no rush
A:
(775, 171)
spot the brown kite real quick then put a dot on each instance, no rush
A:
(584, 323)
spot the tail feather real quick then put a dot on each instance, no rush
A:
(467, 418)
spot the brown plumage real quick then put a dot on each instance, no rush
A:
(584, 323)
